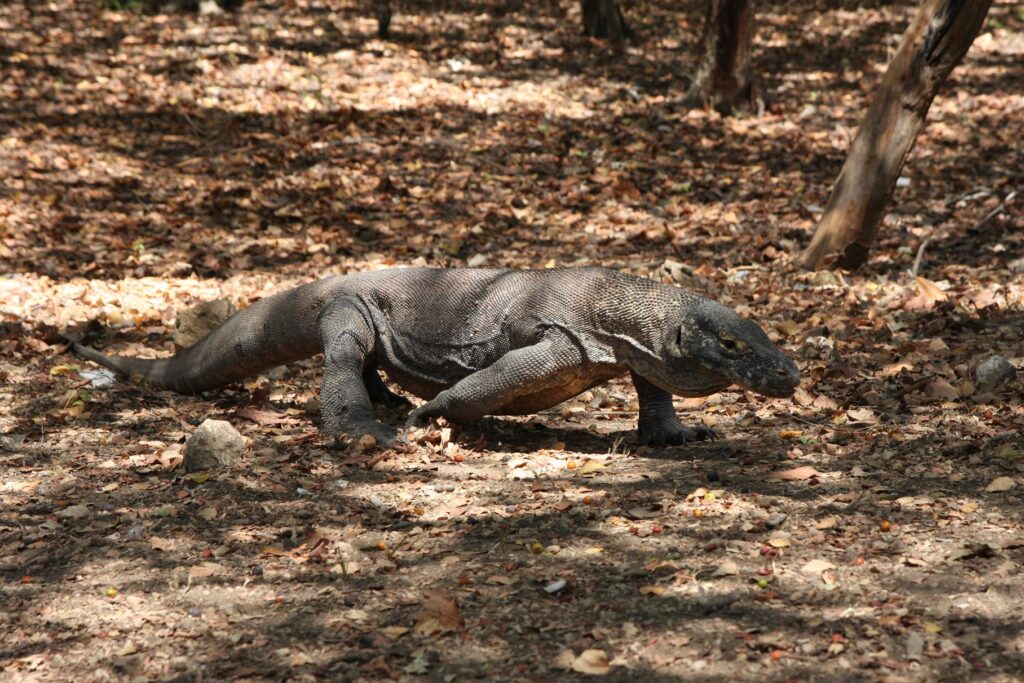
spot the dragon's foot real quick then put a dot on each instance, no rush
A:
(674, 434)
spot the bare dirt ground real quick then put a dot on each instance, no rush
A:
(868, 529)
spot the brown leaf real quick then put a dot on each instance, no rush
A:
(201, 571)
(74, 512)
(592, 662)
(827, 522)
(564, 660)
(940, 389)
(726, 568)
(822, 402)
(788, 327)
(440, 613)
(817, 567)
(163, 544)
(803, 397)
(645, 512)
(928, 294)
(865, 415)
(590, 466)
(795, 474)
(1001, 484)
(264, 418)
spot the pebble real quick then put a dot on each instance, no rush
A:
(993, 371)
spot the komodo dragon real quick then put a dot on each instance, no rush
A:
(478, 342)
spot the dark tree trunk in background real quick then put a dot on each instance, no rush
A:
(935, 42)
(382, 10)
(604, 19)
(723, 73)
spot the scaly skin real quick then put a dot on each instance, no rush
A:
(477, 342)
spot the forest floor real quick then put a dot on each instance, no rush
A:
(870, 528)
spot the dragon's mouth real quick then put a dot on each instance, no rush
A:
(778, 391)
(781, 381)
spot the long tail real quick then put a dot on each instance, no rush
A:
(273, 331)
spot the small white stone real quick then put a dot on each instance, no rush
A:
(208, 7)
(214, 444)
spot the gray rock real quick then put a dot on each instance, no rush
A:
(214, 444)
(198, 321)
(993, 371)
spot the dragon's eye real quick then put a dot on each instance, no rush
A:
(731, 345)
(679, 338)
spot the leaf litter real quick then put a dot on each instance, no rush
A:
(158, 161)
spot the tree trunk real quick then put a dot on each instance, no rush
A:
(382, 10)
(935, 42)
(604, 19)
(723, 74)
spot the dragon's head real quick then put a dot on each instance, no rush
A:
(736, 349)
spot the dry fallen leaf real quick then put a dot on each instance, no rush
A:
(865, 415)
(564, 660)
(592, 662)
(590, 466)
(940, 389)
(795, 474)
(201, 571)
(209, 513)
(162, 544)
(788, 327)
(827, 522)
(440, 613)
(817, 567)
(1001, 484)
(74, 512)
(646, 512)
(726, 568)
(928, 294)
(500, 580)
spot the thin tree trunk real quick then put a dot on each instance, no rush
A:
(935, 42)
(382, 10)
(604, 19)
(723, 75)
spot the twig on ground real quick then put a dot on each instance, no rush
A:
(920, 255)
